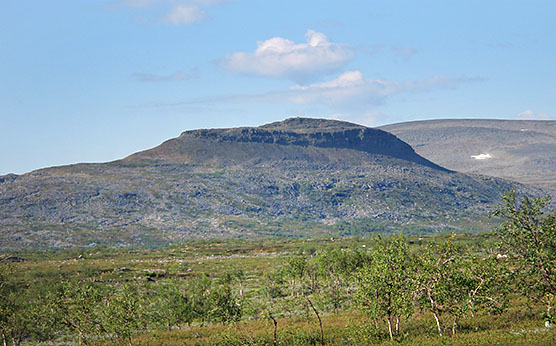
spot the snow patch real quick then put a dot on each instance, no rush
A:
(482, 156)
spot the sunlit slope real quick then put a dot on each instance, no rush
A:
(300, 177)
(520, 150)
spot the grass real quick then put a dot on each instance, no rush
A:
(351, 328)
(519, 325)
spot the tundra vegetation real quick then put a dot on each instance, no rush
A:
(496, 288)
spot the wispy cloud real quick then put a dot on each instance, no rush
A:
(403, 52)
(210, 2)
(185, 15)
(177, 12)
(350, 89)
(370, 49)
(529, 114)
(138, 3)
(399, 52)
(367, 118)
(328, 24)
(281, 58)
(176, 76)
(154, 3)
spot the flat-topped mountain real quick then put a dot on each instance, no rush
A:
(293, 139)
(520, 150)
(299, 177)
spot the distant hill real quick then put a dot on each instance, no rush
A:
(296, 139)
(520, 150)
(298, 178)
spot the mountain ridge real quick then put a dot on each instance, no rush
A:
(302, 132)
(519, 150)
(219, 185)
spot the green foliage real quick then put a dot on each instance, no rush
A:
(124, 312)
(174, 305)
(13, 307)
(335, 268)
(387, 283)
(443, 285)
(528, 237)
(43, 309)
(79, 308)
(296, 269)
(242, 292)
(225, 306)
(489, 284)
(198, 290)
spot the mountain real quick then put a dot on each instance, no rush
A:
(296, 139)
(299, 177)
(520, 150)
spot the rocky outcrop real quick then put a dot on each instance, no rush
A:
(7, 178)
(299, 177)
(300, 133)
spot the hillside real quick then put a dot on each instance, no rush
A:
(520, 150)
(297, 139)
(300, 177)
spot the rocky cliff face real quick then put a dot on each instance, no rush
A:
(304, 135)
(300, 177)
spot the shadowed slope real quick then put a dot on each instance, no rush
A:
(292, 139)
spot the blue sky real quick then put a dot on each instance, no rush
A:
(91, 81)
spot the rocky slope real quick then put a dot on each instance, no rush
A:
(520, 150)
(300, 177)
(295, 139)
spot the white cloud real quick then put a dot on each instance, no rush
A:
(367, 118)
(338, 116)
(370, 118)
(351, 90)
(528, 114)
(346, 80)
(185, 15)
(282, 58)
(351, 87)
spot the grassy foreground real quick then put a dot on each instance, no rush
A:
(351, 329)
(520, 324)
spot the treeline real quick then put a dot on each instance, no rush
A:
(390, 282)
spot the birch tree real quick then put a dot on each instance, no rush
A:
(528, 238)
(387, 283)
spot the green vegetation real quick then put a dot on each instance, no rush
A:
(529, 236)
(469, 289)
